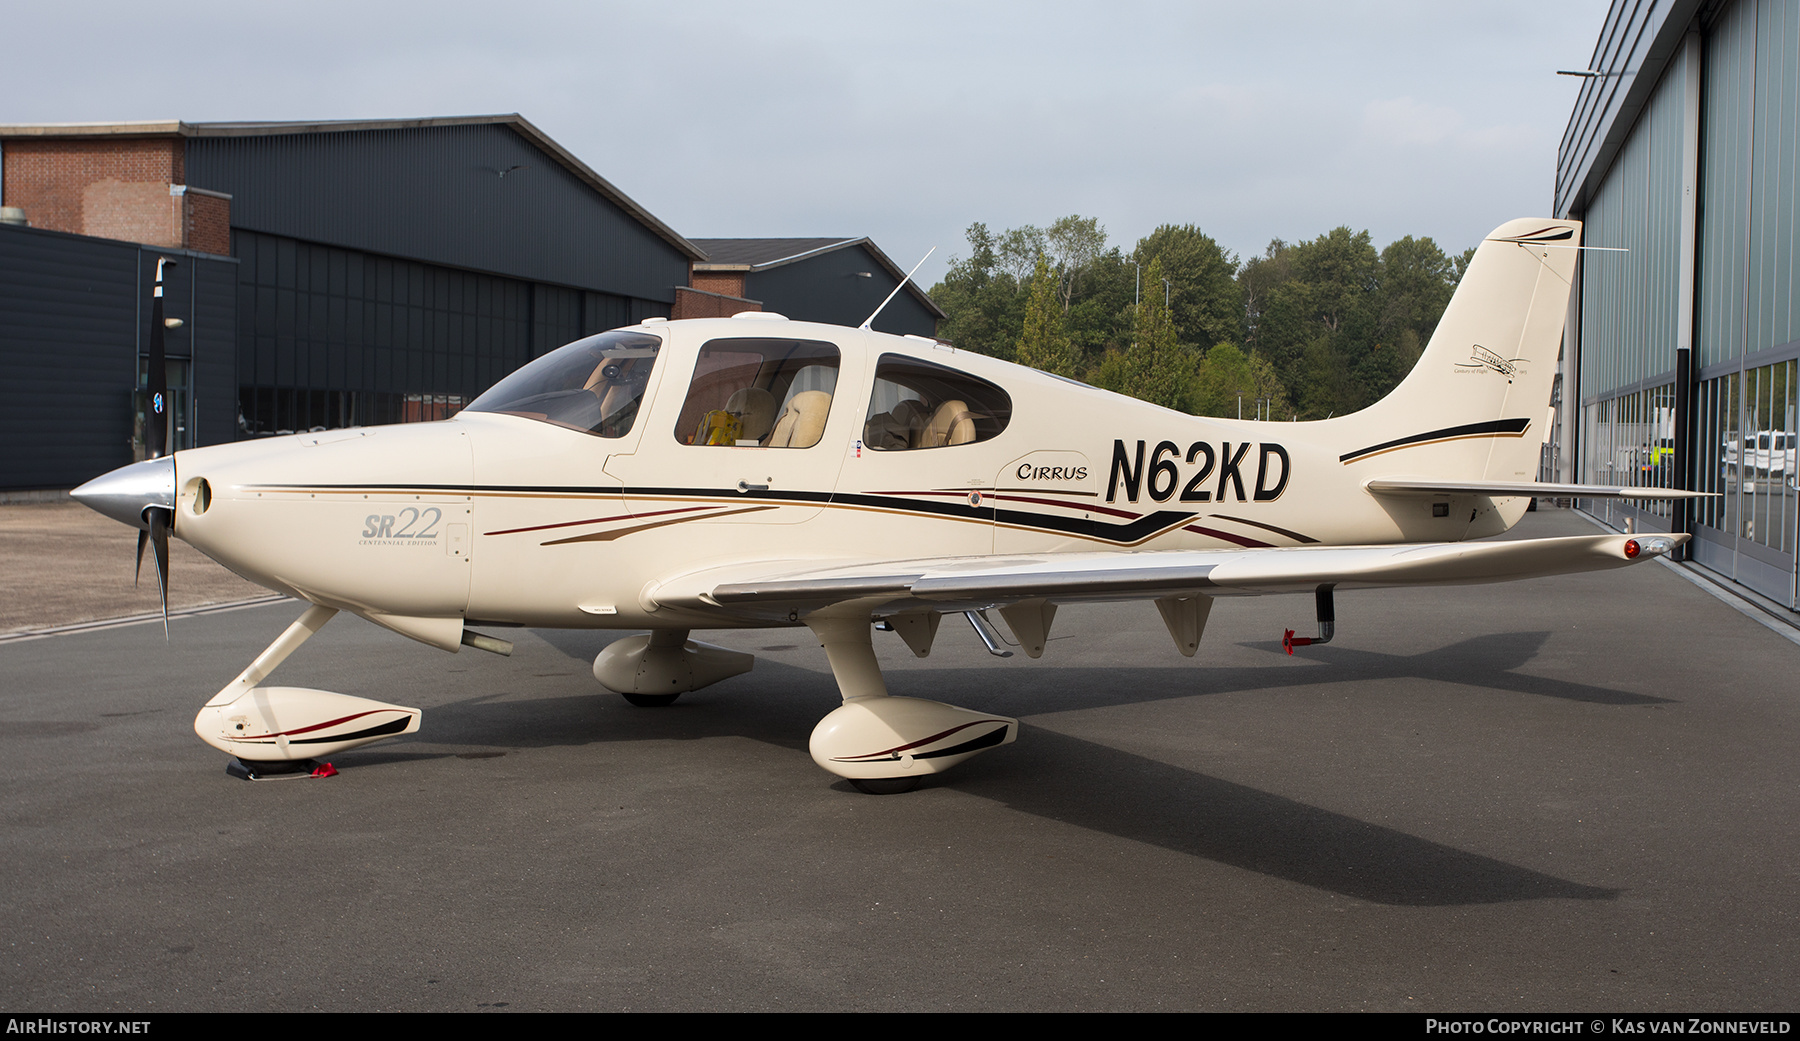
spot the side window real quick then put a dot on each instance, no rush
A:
(759, 393)
(920, 404)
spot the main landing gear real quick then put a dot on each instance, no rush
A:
(883, 744)
(879, 743)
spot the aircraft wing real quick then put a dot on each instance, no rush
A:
(962, 583)
(1412, 486)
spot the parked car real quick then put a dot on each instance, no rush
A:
(1769, 453)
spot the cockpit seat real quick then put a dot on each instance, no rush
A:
(886, 433)
(802, 423)
(911, 415)
(951, 424)
(898, 429)
(755, 409)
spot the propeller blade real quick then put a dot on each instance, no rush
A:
(159, 542)
(138, 571)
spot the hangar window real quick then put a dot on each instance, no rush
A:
(593, 385)
(759, 393)
(919, 404)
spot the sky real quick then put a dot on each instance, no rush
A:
(904, 121)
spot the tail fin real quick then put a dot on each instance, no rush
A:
(1474, 406)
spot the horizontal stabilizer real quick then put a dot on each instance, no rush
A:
(1411, 487)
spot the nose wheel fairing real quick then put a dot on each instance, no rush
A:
(270, 724)
(282, 724)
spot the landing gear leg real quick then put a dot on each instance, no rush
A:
(884, 744)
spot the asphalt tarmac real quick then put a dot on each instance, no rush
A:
(62, 564)
(1563, 794)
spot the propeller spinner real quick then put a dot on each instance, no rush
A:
(143, 496)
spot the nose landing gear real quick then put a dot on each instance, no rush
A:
(266, 726)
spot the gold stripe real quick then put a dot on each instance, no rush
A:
(608, 536)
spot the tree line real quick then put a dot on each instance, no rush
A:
(1306, 330)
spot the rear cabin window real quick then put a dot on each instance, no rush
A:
(759, 394)
(920, 404)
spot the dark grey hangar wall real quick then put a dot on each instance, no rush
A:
(832, 287)
(478, 196)
(393, 272)
(836, 280)
(74, 311)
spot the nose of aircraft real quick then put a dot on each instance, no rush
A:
(127, 493)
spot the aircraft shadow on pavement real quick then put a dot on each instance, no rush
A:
(1090, 785)
(1489, 661)
(1103, 789)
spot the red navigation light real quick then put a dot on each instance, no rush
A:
(1632, 549)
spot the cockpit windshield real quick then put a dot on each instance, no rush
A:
(594, 385)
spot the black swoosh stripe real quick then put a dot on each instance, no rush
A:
(1123, 534)
(1492, 428)
(1542, 235)
(380, 730)
(988, 740)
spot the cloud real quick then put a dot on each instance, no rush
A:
(1407, 121)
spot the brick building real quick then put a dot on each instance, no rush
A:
(115, 187)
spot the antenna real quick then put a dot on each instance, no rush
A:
(867, 322)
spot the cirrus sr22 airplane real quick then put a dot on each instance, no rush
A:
(754, 471)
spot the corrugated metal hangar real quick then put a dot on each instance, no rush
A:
(327, 274)
(1679, 366)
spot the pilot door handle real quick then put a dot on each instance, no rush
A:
(746, 486)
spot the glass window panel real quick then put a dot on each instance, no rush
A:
(768, 393)
(920, 404)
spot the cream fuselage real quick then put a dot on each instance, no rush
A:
(502, 519)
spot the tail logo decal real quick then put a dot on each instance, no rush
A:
(1483, 360)
(1492, 428)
